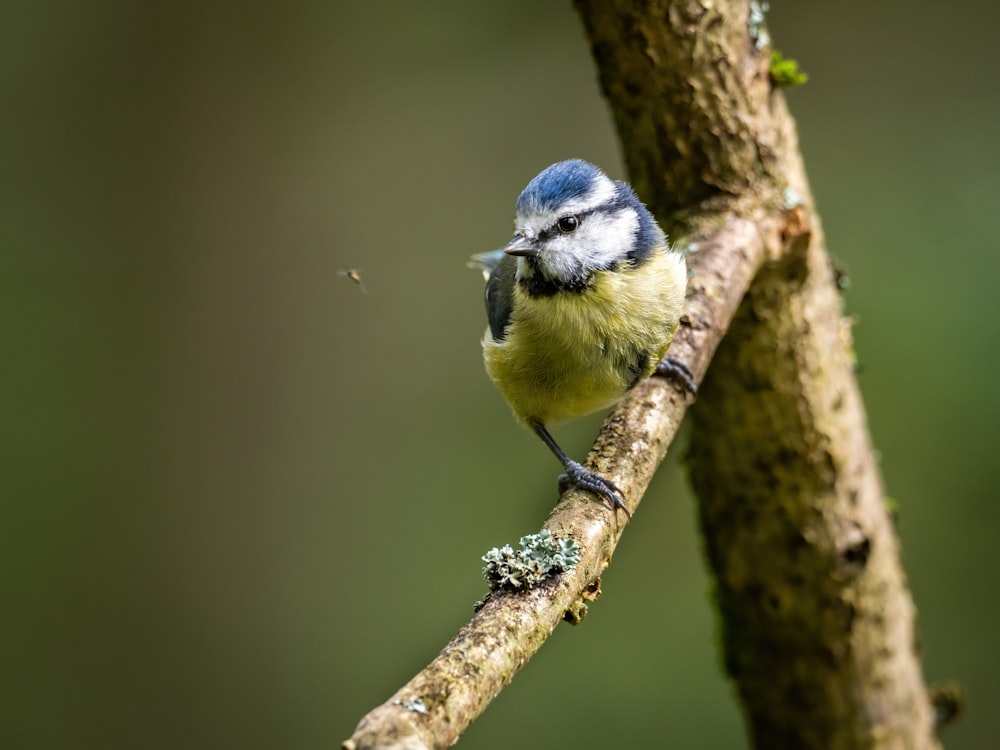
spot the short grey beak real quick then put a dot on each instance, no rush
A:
(521, 245)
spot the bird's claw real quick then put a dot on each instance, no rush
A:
(581, 478)
(673, 369)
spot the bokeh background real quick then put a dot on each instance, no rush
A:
(243, 500)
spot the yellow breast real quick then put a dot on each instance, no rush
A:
(571, 354)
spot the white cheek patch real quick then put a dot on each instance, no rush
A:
(602, 240)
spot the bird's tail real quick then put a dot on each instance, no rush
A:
(485, 262)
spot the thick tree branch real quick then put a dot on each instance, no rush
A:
(818, 625)
(712, 149)
(817, 622)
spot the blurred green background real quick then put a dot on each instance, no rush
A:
(244, 501)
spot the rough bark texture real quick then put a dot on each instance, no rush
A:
(693, 102)
(817, 621)
(818, 625)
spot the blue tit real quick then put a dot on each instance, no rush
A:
(582, 305)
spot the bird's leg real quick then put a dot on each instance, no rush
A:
(675, 370)
(581, 477)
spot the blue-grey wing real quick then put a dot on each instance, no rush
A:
(498, 268)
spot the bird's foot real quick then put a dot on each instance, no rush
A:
(675, 370)
(581, 478)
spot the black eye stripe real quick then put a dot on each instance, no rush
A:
(553, 230)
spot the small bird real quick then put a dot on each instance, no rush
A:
(582, 305)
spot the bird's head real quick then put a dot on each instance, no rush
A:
(573, 220)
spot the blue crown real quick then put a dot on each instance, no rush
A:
(557, 184)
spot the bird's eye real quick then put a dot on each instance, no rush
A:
(568, 224)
